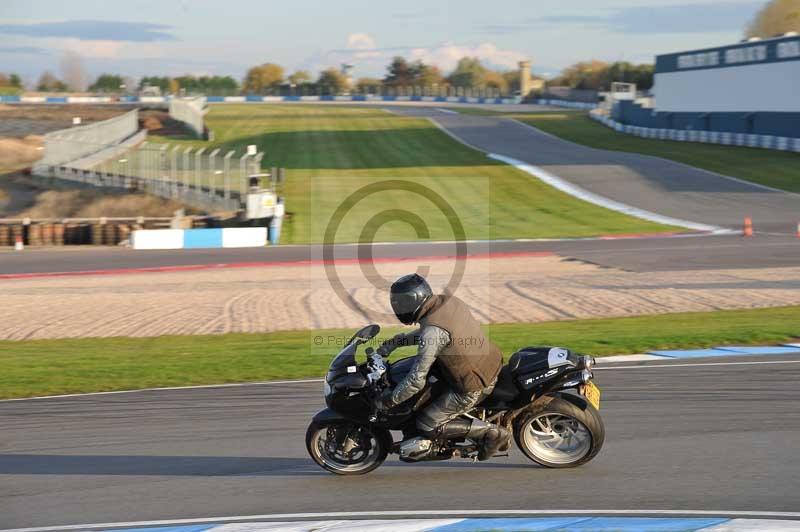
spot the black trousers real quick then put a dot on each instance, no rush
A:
(449, 405)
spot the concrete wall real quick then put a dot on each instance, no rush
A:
(759, 123)
(771, 142)
(190, 111)
(235, 237)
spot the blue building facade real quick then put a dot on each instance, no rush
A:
(751, 87)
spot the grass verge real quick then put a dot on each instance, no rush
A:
(766, 167)
(48, 367)
(331, 151)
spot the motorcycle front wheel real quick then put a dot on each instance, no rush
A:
(347, 448)
(560, 434)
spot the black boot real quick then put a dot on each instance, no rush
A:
(490, 437)
(452, 430)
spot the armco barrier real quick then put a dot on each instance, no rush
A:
(768, 142)
(229, 237)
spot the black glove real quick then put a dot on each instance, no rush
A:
(384, 401)
(386, 348)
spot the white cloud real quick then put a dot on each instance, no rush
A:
(362, 51)
(447, 55)
(89, 49)
(360, 41)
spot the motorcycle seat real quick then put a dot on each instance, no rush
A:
(528, 359)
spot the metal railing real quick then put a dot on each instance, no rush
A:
(71, 144)
(199, 177)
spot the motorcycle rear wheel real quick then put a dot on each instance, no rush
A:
(369, 447)
(559, 434)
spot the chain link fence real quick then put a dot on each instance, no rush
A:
(200, 177)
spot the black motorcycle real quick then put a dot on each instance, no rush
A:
(544, 395)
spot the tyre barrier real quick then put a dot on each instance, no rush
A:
(97, 232)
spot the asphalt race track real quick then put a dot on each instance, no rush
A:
(649, 183)
(690, 437)
(634, 254)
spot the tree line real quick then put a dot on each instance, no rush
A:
(403, 77)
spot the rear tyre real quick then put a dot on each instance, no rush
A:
(347, 448)
(559, 434)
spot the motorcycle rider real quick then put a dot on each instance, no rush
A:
(450, 337)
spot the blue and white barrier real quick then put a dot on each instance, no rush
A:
(250, 98)
(229, 237)
(567, 104)
(768, 142)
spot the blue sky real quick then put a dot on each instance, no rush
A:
(174, 37)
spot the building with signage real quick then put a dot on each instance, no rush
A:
(751, 87)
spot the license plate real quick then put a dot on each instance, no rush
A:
(592, 394)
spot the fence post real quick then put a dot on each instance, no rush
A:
(212, 174)
(243, 177)
(186, 171)
(173, 163)
(198, 170)
(163, 178)
(226, 174)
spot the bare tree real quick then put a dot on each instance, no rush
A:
(73, 71)
(776, 18)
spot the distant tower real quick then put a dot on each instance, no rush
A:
(345, 69)
(525, 83)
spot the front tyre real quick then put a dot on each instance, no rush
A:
(347, 448)
(559, 434)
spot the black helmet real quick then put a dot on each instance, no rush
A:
(408, 294)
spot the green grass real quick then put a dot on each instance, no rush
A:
(767, 167)
(46, 367)
(332, 151)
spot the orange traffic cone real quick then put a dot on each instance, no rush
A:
(748, 227)
(18, 244)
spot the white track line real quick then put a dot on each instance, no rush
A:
(648, 366)
(413, 513)
(716, 174)
(306, 381)
(168, 388)
(583, 194)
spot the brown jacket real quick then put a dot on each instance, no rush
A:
(470, 362)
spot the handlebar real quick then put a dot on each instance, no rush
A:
(376, 366)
